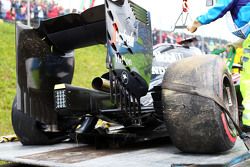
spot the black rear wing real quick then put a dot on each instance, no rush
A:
(74, 31)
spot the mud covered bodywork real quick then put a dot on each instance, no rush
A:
(45, 57)
(133, 94)
(38, 70)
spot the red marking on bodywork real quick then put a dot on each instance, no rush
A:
(114, 33)
(115, 27)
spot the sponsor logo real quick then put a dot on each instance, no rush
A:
(120, 60)
(168, 57)
(124, 77)
(158, 70)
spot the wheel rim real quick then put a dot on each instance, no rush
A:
(229, 104)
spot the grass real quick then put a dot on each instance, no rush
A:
(7, 76)
(89, 62)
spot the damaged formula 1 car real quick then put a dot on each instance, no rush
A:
(149, 96)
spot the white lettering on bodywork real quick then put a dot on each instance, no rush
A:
(158, 70)
(168, 57)
(129, 38)
(119, 60)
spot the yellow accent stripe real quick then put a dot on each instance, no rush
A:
(9, 138)
(102, 124)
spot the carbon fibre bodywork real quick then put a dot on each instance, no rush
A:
(38, 70)
(129, 45)
(45, 56)
(144, 96)
(132, 97)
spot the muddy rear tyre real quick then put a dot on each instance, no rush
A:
(197, 124)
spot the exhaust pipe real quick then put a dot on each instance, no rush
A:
(101, 84)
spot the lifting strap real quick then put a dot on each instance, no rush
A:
(185, 7)
(205, 93)
(183, 16)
